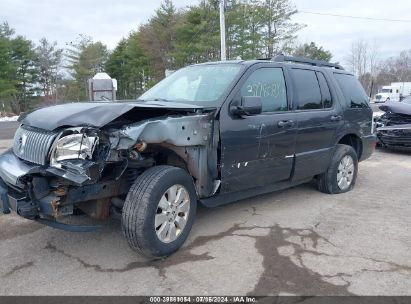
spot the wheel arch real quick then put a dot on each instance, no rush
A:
(194, 160)
(165, 155)
(353, 140)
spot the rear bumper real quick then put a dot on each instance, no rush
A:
(368, 146)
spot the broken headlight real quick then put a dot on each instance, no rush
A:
(74, 146)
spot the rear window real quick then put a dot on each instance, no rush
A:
(308, 89)
(353, 91)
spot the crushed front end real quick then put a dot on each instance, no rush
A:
(51, 174)
(393, 128)
(395, 137)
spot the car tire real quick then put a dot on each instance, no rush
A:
(342, 172)
(148, 217)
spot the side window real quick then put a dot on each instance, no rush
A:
(308, 89)
(325, 91)
(352, 90)
(268, 83)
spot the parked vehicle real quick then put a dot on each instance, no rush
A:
(393, 128)
(394, 92)
(407, 100)
(210, 133)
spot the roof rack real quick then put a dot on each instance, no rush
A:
(320, 63)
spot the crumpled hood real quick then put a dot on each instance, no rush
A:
(396, 127)
(93, 114)
(396, 107)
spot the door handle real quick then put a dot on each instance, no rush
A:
(285, 123)
(336, 118)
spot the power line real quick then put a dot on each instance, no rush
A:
(355, 17)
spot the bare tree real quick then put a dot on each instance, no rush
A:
(401, 66)
(357, 58)
(394, 69)
(363, 61)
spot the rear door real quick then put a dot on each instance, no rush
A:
(319, 117)
(258, 150)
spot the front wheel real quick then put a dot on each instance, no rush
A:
(342, 172)
(159, 211)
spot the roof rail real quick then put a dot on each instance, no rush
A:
(320, 63)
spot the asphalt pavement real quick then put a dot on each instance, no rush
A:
(298, 241)
(7, 129)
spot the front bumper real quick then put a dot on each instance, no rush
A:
(395, 137)
(30, 210)
(35, 193)
(12, 169)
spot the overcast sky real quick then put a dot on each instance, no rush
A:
(109, 21)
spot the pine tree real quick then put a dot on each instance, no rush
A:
(311, 50)
(48, 61)
(85, 58)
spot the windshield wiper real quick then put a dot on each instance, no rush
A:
(161, 99)
(155, 99)
(164, 99)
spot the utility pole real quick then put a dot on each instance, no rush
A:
(222, 31)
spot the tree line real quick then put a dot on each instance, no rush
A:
(364, 61)
(33, 74)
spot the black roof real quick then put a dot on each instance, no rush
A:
(283, 59)
(303, 60)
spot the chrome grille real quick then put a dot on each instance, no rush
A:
(33, 145)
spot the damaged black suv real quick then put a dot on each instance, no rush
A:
(210, 133)
(393, 128)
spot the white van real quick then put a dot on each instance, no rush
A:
(393, 92)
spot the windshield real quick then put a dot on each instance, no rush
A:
(198, 85)
(386, 91)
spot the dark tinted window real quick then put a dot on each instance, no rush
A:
(268, 83)
(325, 91)
(308, 89)
(353, 91)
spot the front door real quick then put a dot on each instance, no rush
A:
(258, 150)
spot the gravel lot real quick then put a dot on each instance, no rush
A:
(297, 241)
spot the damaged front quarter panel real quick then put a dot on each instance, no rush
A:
(178, 131)
(192, 138)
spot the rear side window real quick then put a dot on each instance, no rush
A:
(268, 83)
(325, 91)
(308, 89)
(353, 91)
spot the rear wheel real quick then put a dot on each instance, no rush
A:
(159, 211)
(342, 172)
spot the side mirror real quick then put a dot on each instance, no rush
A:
(249, 105)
